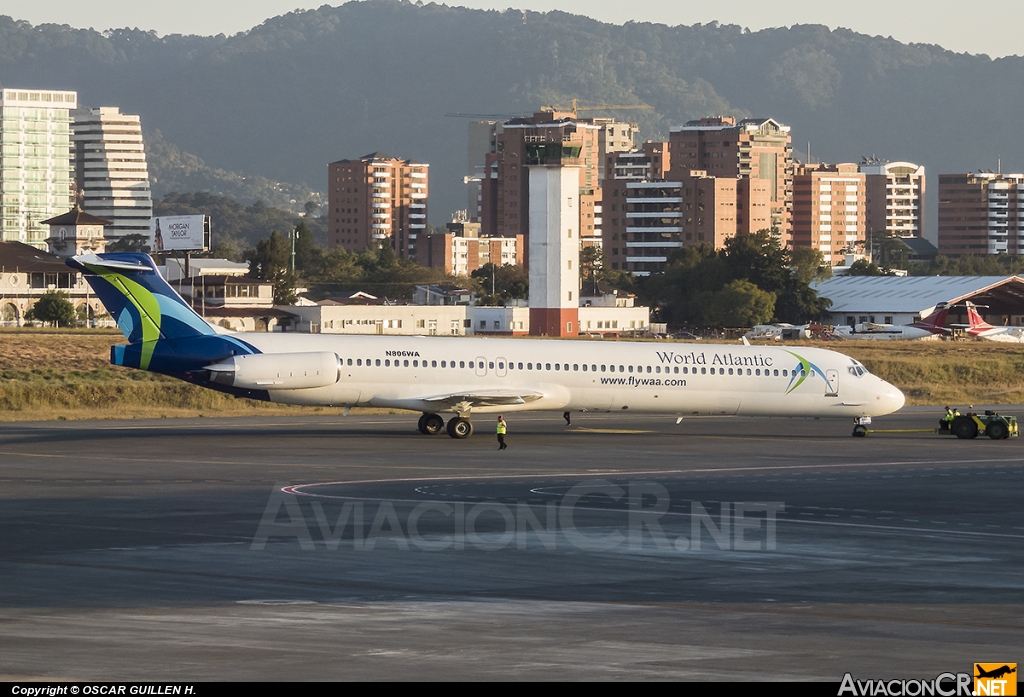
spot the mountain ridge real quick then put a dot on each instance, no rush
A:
(303, 89)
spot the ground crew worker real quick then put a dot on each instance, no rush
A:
(502, 428)
(948, 418)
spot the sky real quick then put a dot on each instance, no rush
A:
(990, 29)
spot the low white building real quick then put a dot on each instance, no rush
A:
(328, 317)
(26, 274)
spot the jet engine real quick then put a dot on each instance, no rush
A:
(278, 371)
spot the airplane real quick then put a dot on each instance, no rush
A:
(930, 326)
(465, 376)
(995, 673)
(979, 328)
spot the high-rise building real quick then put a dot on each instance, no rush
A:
(828, 209)
(650, 220)
(981, 213)
(760, 148)
(35, 171)
(482, 141)
(110, 169)
(895, 198)
(377, 200)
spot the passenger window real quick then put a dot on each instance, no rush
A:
(703, 371)
(657, 369)
(443, 364)
(359, 361)
(557, 366)
(547, 366)
(776, 372)
(520, 366)
(471, 365)
(529, 366)
(676, 370)
(712, 371)
(730, 371)
(602, 368)
(584, 367)
(433, 364)
(757, 371)
(593, 368)
(387, 362)
(631, 369)
(406, 363)
(611, 368)
(491, 365)
(622, 369)
(501, 366)
(748, 371)
(648, 369)
(785, 374)
(350, 361)
(462, 364)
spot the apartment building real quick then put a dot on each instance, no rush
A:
(829, 209)
(461, 250)
(35, 171)
(664, 216)
(895, 202)
(377, 200)
(981, 213)
(111, 175)
(751, 148)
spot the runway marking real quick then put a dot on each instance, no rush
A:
(607, 430)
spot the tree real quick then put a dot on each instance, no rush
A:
(863, 267)
(134, 242)
(739, 304)
(55, 308)
(510, 282)
(271, 261)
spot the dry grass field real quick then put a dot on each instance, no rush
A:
(66, 374)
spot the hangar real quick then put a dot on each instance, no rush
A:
(904, 299)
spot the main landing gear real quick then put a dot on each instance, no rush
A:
(458, 427)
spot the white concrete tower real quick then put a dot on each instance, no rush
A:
(554, 249)
(110, 169)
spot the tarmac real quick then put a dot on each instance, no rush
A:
(620, 547)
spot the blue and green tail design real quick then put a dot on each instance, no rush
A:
(164, 333)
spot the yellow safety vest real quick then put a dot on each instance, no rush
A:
(501, 428)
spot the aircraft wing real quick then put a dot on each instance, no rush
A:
(486, 398)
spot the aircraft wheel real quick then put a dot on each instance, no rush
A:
(860, 431)
(432, 424)
(422, 425)
(460, 428)
(964, 427)
(997, 430)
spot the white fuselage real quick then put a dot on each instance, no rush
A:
(667, 378)
(884, 332)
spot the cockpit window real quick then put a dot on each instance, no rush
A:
(856, 369)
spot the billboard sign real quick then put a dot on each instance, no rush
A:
(177, 232)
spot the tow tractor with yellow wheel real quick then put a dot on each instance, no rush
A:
(965, 426)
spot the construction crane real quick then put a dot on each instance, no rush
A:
(602, 107)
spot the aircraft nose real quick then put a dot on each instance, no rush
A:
(890, 398)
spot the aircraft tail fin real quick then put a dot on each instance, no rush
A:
(936, 320)
(142, 303)
(974, 319)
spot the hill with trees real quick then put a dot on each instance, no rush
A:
(287, 97)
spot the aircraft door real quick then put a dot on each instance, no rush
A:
(501, 367)
(481, 366)
(832, 380)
